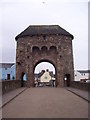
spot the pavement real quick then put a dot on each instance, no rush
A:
(46, 103)
(81, 93)
(6, 98)
(11, 95)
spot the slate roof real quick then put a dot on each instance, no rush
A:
(84, 71)
(41, 73)
(43, 30)
(6, 65)
(51, 74)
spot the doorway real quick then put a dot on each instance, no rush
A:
(67, 80)
(8, 76)
(23, 80)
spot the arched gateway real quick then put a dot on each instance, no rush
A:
(49, 43)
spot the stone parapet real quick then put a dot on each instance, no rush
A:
(80, 85)
(9, 85)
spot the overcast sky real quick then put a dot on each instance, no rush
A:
(17, 15)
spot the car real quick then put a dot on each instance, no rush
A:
(40, 85)
(88, 81)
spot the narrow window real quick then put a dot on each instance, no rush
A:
(44, 37)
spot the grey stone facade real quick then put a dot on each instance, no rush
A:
(44, 43)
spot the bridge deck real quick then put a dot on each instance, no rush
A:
(46, 103)
(11, 95)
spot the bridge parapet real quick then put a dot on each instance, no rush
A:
(9, 85)
(80, 85)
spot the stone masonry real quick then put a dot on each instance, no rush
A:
(45, 43)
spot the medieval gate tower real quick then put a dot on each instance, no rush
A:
(44, 43)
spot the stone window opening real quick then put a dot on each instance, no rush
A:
(44, 49)
(35, 49)
(59, 47)
(19, 63)
(28, 57)
(44, 37)
(60, 56)
(27, 50)
(53, 49)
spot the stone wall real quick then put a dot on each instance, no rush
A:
(56, 49)
(9, 85)
(80, 85)
(0, 88)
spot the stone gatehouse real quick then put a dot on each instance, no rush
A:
(45, 43)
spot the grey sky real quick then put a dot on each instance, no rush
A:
(44, 66)
(72, 15)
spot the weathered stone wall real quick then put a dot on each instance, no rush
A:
(0, 88)
(56, 49)
(80, 85)
(9, 85)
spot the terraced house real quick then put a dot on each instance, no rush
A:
(8, 71)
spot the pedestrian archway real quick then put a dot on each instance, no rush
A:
(23, 79)
(67, 79)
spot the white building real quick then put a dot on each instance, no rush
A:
(81, 75)
(46, 77)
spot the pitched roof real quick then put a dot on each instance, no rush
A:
(51, 74)
(84, 71)
(41, 73)
(6, 65)
(43, 30)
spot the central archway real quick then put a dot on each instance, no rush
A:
(45, 74)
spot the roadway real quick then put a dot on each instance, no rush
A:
(46, 103)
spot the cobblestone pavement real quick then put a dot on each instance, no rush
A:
(46, 103)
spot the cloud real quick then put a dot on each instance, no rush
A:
(18, 15)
